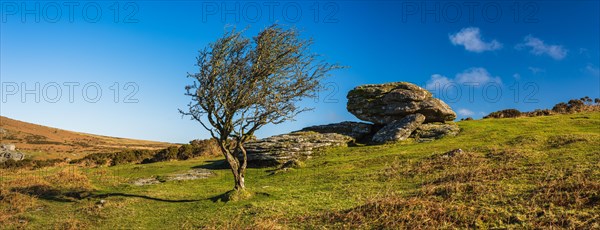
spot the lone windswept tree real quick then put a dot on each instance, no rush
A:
(244, 84)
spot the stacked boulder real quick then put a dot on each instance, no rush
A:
(403, 110)
(399, 129)
(396, 111)
(9, 152)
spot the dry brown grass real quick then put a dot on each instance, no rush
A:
(13, 203)
(557, 141)
(401, 213)
(241, 221)
(575, 190)
(21, 193)
(477, 190)
(70, 178)
(57, 143)
(71, 223)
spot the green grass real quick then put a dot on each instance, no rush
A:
(536, 172)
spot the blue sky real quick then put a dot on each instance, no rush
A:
(523, 55)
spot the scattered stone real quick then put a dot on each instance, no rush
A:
(435, 131)
(100, 203)
(452, 153)
(399, 130)
(385, 103)
(193, 174)
(278, 149)
(355, 130)
(145, 181)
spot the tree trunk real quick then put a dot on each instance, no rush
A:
(239, 180)
(238, 171)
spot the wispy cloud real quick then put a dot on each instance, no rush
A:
(536, 70)
(465, 112)
(538, 47)
(437, 81)
(592, 69)
(472, 40)
(517, 76)
(476, 75)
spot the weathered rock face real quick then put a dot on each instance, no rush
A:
(7, 147)
(17, 156)
(298, 145)
(435, 131)
(8, 151)
(399, 130)
(355, 130)
(385, 103)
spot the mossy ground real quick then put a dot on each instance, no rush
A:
(530, 172)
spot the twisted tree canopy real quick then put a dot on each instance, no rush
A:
(243, 84)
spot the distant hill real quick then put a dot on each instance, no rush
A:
(42, 142)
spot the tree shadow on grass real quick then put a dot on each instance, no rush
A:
(222, 164)
(220, 198)
(48, 193)
(214, 165)
(105, 195)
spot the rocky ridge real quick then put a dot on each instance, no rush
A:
(397, 111)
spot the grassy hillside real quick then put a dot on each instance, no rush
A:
(42, 142)
(531, 172)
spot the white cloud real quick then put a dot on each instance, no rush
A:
(517, 76)
(538, 47)
(437, 81)
(477, 75)
(471, 39)
(536, 70)
(465, 112)
(593, 70)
